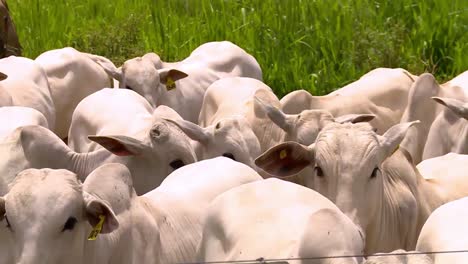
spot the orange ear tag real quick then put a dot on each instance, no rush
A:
(97, 229)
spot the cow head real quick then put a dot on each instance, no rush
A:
(230, 137)
(145, 76)
(49, 213)
(347, 166)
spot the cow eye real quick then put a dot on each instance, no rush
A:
(229, 155)
(8, 222)
(128, 87)
(177, 164)
(374, 173)
(70, 224)
(318, 172)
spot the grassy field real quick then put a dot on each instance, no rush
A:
(309, 44)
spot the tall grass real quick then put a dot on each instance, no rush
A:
(317, 45)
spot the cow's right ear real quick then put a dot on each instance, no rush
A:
(458, 107)
(3, 76)
(286, 159)
(283, 121)
(111, 70)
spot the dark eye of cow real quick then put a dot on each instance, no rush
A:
(318, 172)
(177, 164)
(229, 155)
(374, 173)
(128, 87)
(70, 224)
(8, 222)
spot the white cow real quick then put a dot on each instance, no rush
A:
(446, 230)
(150, 160)
(26, 85)
(422, 107)
(162, 226)
(275, 219)
(72, 75)
(115, 112)
(382, 92)
(369, 179)
(155, 80)
(17, 116)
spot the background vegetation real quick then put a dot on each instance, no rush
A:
(317, 45)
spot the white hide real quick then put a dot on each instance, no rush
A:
(17, 116)
(163, 226)
(382, 92)
(446, 230)
(27, 86)
(72, 75)
(275, 219)
(148, 75)
(108, 112)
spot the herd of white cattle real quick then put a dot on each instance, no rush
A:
(121, 165)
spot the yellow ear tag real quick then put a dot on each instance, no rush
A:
(97, 229)
(170, 83)
(283, 154)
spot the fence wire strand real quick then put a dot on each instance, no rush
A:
(285, 260)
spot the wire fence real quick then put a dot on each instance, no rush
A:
(286, 260)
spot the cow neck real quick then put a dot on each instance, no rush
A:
(398, 208)
(84, 163)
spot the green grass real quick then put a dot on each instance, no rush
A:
(309, 44)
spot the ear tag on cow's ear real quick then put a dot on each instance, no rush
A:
(283, 154)
(170, 83)
(97, 229)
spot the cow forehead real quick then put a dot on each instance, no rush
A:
(349, 141)
(44, 188)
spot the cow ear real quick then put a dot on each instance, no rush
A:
(170, 75)
(193, 131)
(458, 107)
(286, 159)
(95, 208)
(3, 76)
(2, 208)
(354, 118)
(274, 114)
(393, 137)
(109, 67)
(120, 145)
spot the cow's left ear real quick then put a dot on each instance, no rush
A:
(96, 209)
(393, 137)
(3, 76)
(283, 121)
(457, 106)
(167, 76)
(120, 145)
(286, 159)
